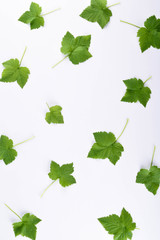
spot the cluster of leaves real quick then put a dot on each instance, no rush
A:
(63, 173)
(97, 12)
(150, 34)
(121, 227)
(76, 49)
(14, 72)
(150, 177)
(33, 16)
(136, 91)
(54, 115)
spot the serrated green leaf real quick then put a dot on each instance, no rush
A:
(136, 91)
(121, 227)
(79, 55)
(54, 115)
(27, 226)
(67, 180)
(14, 72)
(97, 12)
(37, 23)
(150, 34)
(106, 146)
(7, 153)
(35, 9)
(62, 173)
(55, 171)
(150, 178)
(68, 42)
(76, 48)
(33, 16)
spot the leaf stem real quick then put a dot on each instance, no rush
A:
(148, 79)
(50, 12)
(13, 212)
(153, 156)
(113, 5)
(123, 129)
(23, 55)
(24, 141)
(47, 105)
(47, 188)
(60, 61)
(130, 24)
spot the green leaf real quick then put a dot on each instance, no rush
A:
(54, 173)
(150, 178)
(14, 72)
(121, 227)
(33, 17)
(97, 12)
(67, 180)
(7, 153)
(68, 42)
(62, 173)
(150, 34)
(76, 49)
(54, 115)
(106, 146)
(37, 23)
(35, 9)
(136, 91)
(27, 226)
(79, 55)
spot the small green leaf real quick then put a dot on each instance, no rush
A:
(121, 227)
(62, 173)
(136, 91)
(7, 153)
(26, 227)
(150, 177)
(14, 72)
(106, 146)
(33, 16)
(76, 49)
(54, 115)
(97, 12)
(149, 35)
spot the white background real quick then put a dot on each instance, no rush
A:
(90, 95)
